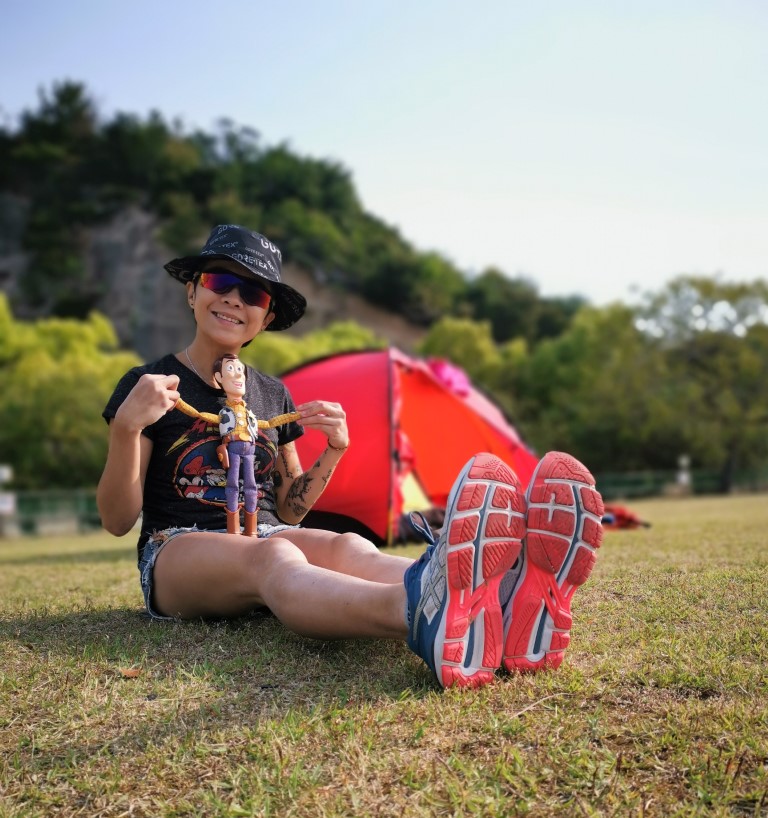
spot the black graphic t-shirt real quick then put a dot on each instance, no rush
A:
(185, 481)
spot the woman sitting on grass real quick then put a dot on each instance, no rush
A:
(494, 591)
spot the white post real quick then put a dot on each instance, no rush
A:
(7, 500)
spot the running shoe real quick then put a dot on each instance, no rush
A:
(564, 530)
(454, 613)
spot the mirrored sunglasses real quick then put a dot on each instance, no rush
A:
(221, 282)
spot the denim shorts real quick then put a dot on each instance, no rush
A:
(160, 539)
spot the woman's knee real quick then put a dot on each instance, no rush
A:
(274, 555)
(356, 542)
(346, 547)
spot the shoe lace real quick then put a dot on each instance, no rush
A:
(422, 528)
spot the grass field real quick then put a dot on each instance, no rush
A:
(660, 708)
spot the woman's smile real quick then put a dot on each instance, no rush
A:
(230, 319)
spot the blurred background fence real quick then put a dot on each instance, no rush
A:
(624, 486)
(51, 512)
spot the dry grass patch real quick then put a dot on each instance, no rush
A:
(659, 709)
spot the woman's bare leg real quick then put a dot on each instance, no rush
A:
(348, 554)
(203, 574)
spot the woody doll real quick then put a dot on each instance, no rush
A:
(239, 430)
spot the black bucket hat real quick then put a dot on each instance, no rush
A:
(258, 257)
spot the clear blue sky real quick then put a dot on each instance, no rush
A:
(594, 147)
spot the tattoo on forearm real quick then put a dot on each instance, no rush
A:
(302, 493)
(299, 489)
(288, 473)
(298, 509)
(297, 494)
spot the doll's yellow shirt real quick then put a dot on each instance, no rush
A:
(240, 432)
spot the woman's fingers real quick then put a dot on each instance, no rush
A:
(149, 400)
(328, 418)
(321, 407)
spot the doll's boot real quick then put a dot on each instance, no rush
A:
(250, 524)
(233, 522)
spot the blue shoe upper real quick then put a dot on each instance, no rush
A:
(425, 586)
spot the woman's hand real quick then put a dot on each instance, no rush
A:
(328, 418)
(147, 402)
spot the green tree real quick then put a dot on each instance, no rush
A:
(277, 174)
(690, 305)
(340, 336)
(274, 353)
(436, 289)
(183, 226)
(510, 304)
(305, 236)
(515, 308)
(468, 344)
(600, 391)
(555, 314)
(143, 160)
(53, 143)
(373, 246)
(501, 377)
(627, 390)
(715, 338)
(228, 208)
(75, 170)
(50, 155)
(57, 378)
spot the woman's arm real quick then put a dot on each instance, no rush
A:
(120, 494)
(296, 490)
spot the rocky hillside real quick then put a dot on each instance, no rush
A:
(147, 306)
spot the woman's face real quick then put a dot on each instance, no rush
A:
(226, 317)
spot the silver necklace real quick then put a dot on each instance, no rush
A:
(194, 368)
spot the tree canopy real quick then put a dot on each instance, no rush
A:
(635, 388)
(621, 388)
(76, 169)
(57, 376)
(607, 390)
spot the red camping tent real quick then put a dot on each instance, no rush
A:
(406, 416)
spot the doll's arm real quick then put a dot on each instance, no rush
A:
(279, 420)
(184, 407)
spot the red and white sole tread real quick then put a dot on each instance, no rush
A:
(564, 531)
(484, 538)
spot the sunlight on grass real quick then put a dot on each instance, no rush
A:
(659, 708)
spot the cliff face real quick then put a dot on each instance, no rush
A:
(147, 307)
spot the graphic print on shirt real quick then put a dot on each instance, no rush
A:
(198, 474)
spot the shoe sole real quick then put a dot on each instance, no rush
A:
(564, 532)
(485, 524)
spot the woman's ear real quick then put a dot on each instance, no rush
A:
(191, 293)
(268, 319)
